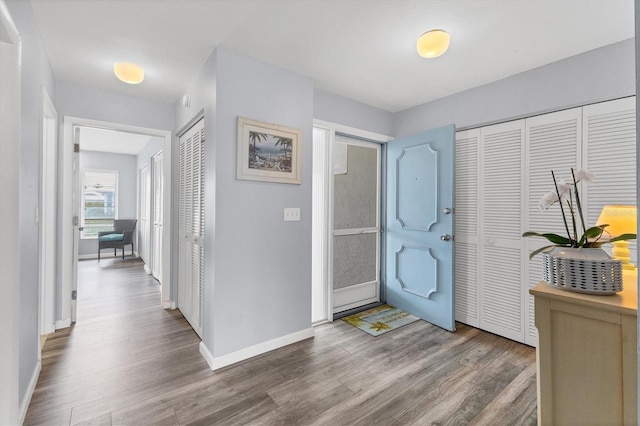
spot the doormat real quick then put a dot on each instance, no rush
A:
(379, 320)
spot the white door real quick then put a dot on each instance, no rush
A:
(356, 223)
(76, 204)
(158, 191)
(47, 219)
(143, 228)
(191, 226)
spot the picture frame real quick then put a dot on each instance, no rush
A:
(268, 152)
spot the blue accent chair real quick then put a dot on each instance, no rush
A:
(122, 235)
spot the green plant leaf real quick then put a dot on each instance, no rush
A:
(595, 232)
(623, 237)
(554, 238)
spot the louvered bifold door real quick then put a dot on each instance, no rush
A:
(191, 226)
(501, 255)
(466, 226)
(552, 143)
(609, 151)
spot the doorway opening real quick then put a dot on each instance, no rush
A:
(346, 223)
(122, 151)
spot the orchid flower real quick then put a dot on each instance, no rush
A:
(563, 191)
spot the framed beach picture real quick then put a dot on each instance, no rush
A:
(268, 152)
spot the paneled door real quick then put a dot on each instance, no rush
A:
(356, 223)
(158, 192)
(420, 207)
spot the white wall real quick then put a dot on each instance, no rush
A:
(36, 73)
(127, 187)
(594, 76)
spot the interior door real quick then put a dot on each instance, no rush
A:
(419, 234)
(75, 200)
(356, 223)
(158, 191)
(143, 229)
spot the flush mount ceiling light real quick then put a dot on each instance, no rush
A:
(433, 43)
(128, 73)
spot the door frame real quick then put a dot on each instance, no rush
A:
(329, 131)
(65, 220)
(47, 214)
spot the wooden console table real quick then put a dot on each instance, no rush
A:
(586, 355)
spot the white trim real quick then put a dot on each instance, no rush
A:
(352, 131)
(90, 256)
(47, 215)
(168, 304)
(363, 293)
(217, 363)
(10, 130)
(29, 392)
(64, 323)
(67, 268)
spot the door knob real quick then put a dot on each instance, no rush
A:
(445, 237)
(446, 210)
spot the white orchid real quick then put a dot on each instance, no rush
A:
(567, 193)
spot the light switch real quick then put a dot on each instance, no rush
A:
(291, 214)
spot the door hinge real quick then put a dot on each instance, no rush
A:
(75, 221)
(74, 294)
(76, 147)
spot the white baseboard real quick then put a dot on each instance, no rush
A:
(29, 392)
(63, 323)
(105, 255)
(168, 304)
(147, 269)
(217, 363)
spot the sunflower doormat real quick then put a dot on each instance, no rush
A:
(379, 320)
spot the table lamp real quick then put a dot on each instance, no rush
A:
(621, 220)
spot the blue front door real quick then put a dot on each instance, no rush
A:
(419, 229)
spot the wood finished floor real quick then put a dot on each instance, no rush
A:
(127, 361)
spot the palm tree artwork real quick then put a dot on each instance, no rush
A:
(269, 152)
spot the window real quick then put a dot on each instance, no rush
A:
(99, 201)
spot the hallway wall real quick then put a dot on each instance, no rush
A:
(36, 74)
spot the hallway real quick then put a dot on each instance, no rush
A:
(127, 361)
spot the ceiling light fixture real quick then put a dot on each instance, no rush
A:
(128, 73)
(433, 43)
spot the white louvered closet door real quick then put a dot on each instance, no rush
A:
(552, 143)
(501, 208)
(191, 226)
(466, 227)
(609, 133)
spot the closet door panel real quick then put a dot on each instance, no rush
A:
(609, 133)
(191, 226)
(501, 209)
(466, 227)
(552, 143)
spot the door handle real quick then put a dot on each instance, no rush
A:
(445, 237)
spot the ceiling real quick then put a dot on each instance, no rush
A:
(103, 140)
(363, 50)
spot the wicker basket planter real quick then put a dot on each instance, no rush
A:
(583, 270)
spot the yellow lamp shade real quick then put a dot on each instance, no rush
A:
(128, 73)
(621, 220)
(433, 43)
